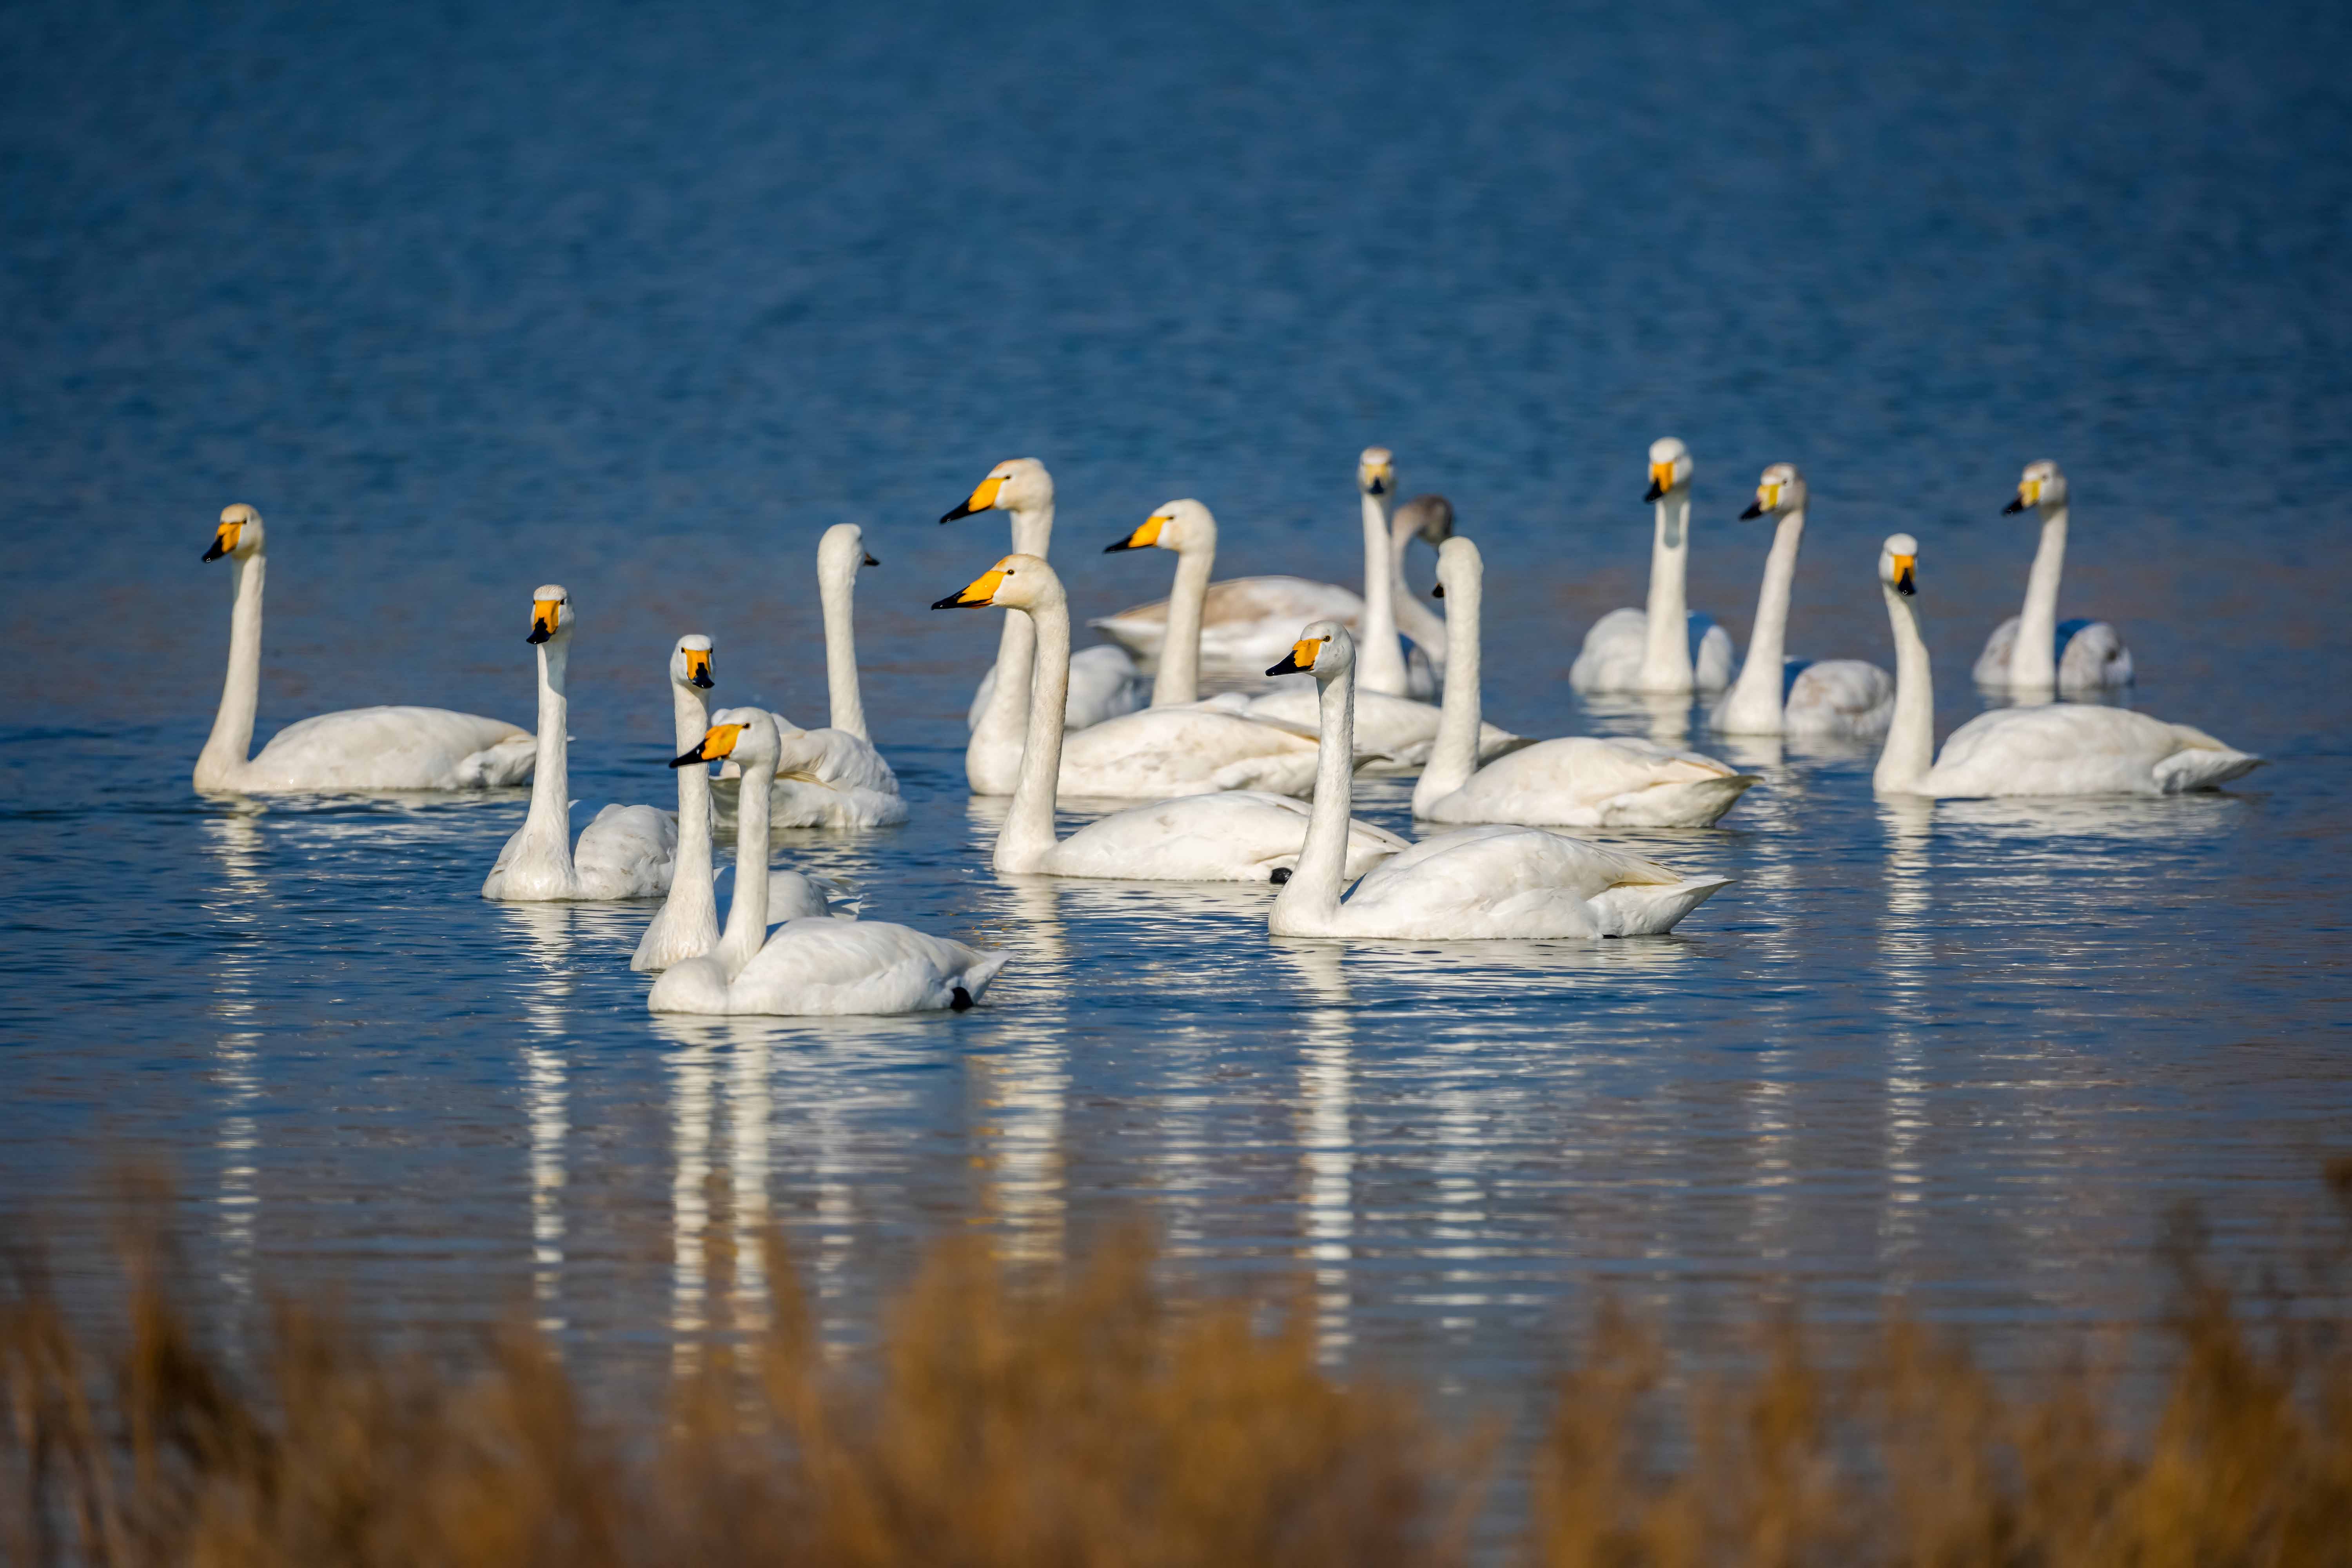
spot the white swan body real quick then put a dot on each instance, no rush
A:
(2057, 749)
(1239, 837)
(807, 966)
(627, 852)
(2034, 650)
(1479, 882)
(1579, 781)
(1663, 648)
(836, 776)
(1839, 698)
(1000, 709)
(357, 749)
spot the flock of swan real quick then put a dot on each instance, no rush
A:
(1252, 784)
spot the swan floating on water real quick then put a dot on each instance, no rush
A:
(2034, 651)
(1665, 648)
(2059, 749)
(1242, 835)
(356, 749)
(1582, 780)
(627, 852)
(1474, 882)
(1835, 698)
(809, 966)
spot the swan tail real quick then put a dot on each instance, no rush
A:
(1648, 909)
(2202, 767)
(511, 762)
(983, 968)
(1686, 803)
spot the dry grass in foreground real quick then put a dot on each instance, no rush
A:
(1108, 1421)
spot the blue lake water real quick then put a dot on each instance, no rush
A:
(641, 300)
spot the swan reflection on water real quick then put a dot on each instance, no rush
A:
(1326, 1135)
(234, 839)
(2138, 819)
(1907, 960)
(547, 933)
(1651, 716)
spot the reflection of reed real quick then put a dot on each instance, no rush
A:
(546, 1008)
(1326, 1140)
(235, 839)
(1904, 955)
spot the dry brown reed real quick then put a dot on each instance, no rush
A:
(1110, 1418)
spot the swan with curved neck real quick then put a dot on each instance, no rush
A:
(1477, 882)
(1430, 519)
(834, 776)
(2033, 652)
(357, 749)
(2058, 749)
(1245, 835)
(809, 966)
(627, 852)
(1105, 682)
(1662, 649)
(1582, 780)
(1775, 695)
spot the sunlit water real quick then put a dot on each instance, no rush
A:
(642, 304)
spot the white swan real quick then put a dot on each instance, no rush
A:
(1103, 682)
(1477, 882)
(1664, 649)
(811, 966)
(1582, 780)
(687, 922)
(1244, 836)
(2063, 748)
(1834, 699)
(357, 749)
(2035, 651)
(834, 776)
(1398, 730)
(1430, 519)
(627, 852)
(1247, 622)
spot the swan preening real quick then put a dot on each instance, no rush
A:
(807, 966)
(627, 852)
(1837, 698)
(1664, 649)
(2057, 749)
(834, 776)
(1476, 882)
(357, 749)
(1234, 835)
(1581, 781)
(2034, 651)
(1103, 682)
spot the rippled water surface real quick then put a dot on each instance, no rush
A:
(640, 301)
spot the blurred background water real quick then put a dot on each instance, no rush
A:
(640, 299)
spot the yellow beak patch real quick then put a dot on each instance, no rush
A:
(1302, 653)
(2030, 491)
(982, 590)
(1148, 535)
(985, 496)
(1768, 497)
(544, 614)
(697, 663)
(1663, 476)
(720, 741)
(230, 532)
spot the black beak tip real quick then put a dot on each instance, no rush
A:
(1755, 510)
(2017, 504)
(963, 508)
(688, 760)
(215, 553)
(1904, 586)
(1653, 492)
(1116, 546)
(871, 561)
(1377, 487)
(1289, 666)
(951, 603)
(702, 680)
(538, 634)
(1438, 592)
(1281, 875)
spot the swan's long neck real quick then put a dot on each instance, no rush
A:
(1008, 704)
(1665, 654)
(231, 742)
(691, 897)
(1380, 662)
(1414, 619)
(1179, 679)
(547, 831)
(747, 916)
(1910, 749)
(1756, 698)
(2033, 657)
(837, 592)
(1027, 836)
(1312, 894)
(1454, 755)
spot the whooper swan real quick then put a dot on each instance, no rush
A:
(2035, 651)
(834, 776)
(1662, 649)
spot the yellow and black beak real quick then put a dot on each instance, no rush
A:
(1143, 537)
(1767, 498)
(1300, 659)
(979, 596)
(1906, 577)
(224, 541)
(717, 742)
(1661, 479)
(980, 499)
(871, 560)
(543, 619)
(2027, 494)
(698, 668)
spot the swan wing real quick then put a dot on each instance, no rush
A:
(1241, 618)
(1163, 751)
(829, 967)
(1848, 697)
(1610, 658)
(1588, 781)
(1104, 684)
(627, 852)
(2068, 747)
(1712, 655)
(1388, 727)
(2092, 657)
(1499, 881)
(1238, 836)
(1993, 665)
(392, 748)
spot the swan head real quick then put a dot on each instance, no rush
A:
(1178, 525)
(1015, 582)
(842, 551)
(1459, 566)
(1017, 484)
(1324, 650)
(551, 613)
(690, 662)
(1427, 518)
(1898, 563)
(1670, 466)
(1376, 471)
(746, 736)
(238, 534)
(2043, 485)
(1781, 490)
